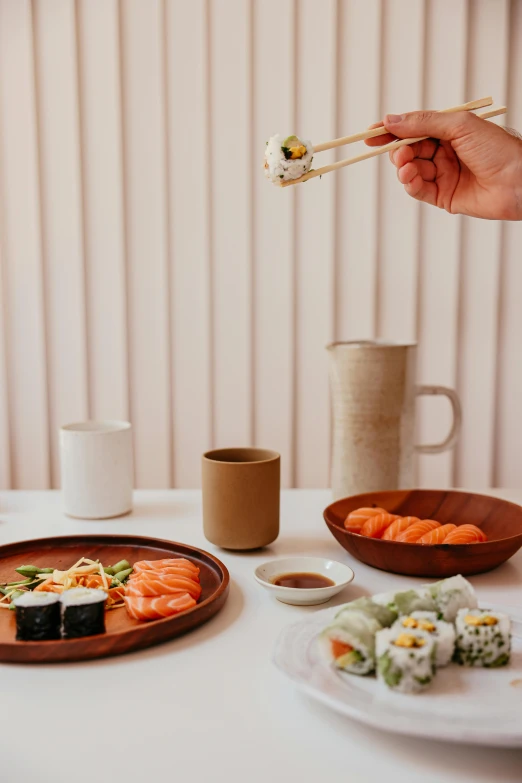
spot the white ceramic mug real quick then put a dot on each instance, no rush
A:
(97, 469)
(373, 393)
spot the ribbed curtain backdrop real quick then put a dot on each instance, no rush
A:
(149, 272)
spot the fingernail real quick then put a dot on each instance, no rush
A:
(393, 119)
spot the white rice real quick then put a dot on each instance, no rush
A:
(40, 598)
(78, 596)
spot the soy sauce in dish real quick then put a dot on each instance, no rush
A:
(305, 581)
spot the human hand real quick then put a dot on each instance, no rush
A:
(468, 166)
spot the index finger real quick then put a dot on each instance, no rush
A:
(378, 141)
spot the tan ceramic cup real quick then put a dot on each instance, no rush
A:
(241, 489)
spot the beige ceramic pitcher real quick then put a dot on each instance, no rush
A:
(373, 394)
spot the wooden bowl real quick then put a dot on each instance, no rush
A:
(499, 519)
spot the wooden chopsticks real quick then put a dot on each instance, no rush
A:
(386, 147)
(370, 134)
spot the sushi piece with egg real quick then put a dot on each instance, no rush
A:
(441, 631)
(287, 159)
(349, 642)
(405, 659)
(483, 638)
(452, 594)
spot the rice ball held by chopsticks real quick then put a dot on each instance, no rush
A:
(287, 159)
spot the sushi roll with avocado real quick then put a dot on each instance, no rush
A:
(453, 594)
(441, 631)
(349, 642)
(445, 597)
(37, 616)
(287, 159)
(83, 612)
(385, 599)
(407, 601)
(405, 659)
(483, 638)
(419, 600)
(382, 613)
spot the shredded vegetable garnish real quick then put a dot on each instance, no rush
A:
(84, 573)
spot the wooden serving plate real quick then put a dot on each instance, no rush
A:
(123, 633)
(499, 519)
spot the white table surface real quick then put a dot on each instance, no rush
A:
(211, 706)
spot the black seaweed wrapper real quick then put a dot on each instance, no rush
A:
(38, 623)
(84, 620)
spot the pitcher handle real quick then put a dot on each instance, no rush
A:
(450, 441)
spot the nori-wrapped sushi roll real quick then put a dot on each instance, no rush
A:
(37, 616)
(83, 612)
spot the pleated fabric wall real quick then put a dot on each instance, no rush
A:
(149, 272)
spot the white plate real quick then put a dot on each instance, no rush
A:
(480, 706)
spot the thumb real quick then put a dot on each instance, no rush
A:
(438, 125)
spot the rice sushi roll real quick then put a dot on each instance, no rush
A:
(349, 642)
(385, 599)
(419, 600)
(441, 631)
(405, 659)
(83, 612)
(287, 159)
(453, 594)
(483, 638)
(37, 616)
(384, 615)
(407, 601)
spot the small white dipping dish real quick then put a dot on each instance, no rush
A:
(338, 573)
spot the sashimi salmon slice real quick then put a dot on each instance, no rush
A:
(159, 565)
(417, 530)
(178, 571)
(437, 536)
(356, 519)
(466, 534)
(161, 584)
(375, 526)
(155, 608)
(399, 526)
